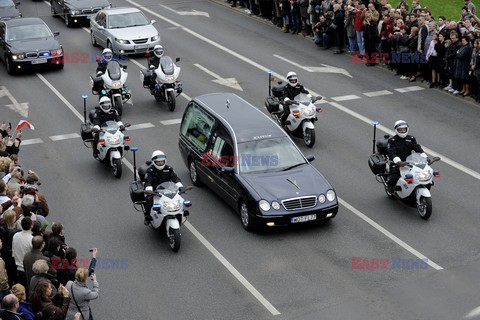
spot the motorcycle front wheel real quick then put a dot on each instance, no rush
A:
(309, 137)
(117, 168)
(175, 239)
(119, 105)
(171, 100)
(424, 207)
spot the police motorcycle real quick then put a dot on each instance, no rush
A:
(112, 84)
(416, 176)
(165, 78)
(303, 112)
(169, 210)
(110, 146)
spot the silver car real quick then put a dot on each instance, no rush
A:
(123, 30)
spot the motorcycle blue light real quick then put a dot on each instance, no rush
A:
(126, 89)
(157, 86)
(375, 123)
(187, 203)
(84, 96)
(156, 208)
(134, 149)
(104, 92)
(180, 85)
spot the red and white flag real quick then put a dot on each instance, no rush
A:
(24, 123)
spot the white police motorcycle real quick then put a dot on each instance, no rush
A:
(112, 84)
(166, 83)
(111, 142)
(416, 177)
(303, 112)
(169, 210)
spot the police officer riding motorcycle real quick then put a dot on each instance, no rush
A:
(291, 90)
(156, 174)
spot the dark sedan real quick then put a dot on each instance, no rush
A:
(250, 162)
(77, 11)
(27, 43)
(8, 10)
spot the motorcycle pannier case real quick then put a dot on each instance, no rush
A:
(377, 163)
(382, 146)
(277, 90)
(137, 193)
(146, 76)
(86, 131)
(272, 104)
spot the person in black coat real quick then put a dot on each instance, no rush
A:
(338, 26)
(370, 36)
(462, 66)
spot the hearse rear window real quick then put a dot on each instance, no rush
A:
(197, 126)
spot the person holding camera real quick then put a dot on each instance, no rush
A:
(81, 293)
(321, 33)
(41, 301)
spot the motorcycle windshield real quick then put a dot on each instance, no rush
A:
(167, 65)
(302, 98)
(168, 189)
(110, 126)
(417, 160)
(114, 70)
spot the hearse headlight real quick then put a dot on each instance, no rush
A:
(321, 198)
(330, 195)
(276, 205)
(264, 205)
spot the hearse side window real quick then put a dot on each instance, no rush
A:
(222, 149)
(197, 126)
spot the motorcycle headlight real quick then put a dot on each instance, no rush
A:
(276, 205)
(264, 205)
(423, 176)
(116, 84)
(169, 78)
(330, 195)
(321, 198)
(19, 56)
(155, 38)
(114, 140)
(171, 206)
(121, 41)
(308, 112)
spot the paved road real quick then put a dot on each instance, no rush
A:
(297, 273)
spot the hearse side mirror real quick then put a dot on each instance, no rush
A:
(228, 169)
(153, 21)
(17, 3)
(177, 60)
(310, 158)
(56, 34)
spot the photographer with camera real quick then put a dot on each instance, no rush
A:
(81, 293)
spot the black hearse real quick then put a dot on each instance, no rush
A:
(250, 162)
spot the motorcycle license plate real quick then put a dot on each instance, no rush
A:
(306, 218)
(38, 61)
(140, 47)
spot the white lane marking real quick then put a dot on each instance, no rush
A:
(86, 29)
(169, 122)
(31, 141)
(186, 97)
(389, 234)
(138, 64)
(474, 313)
(141, 126)
(325, 69)
(409, 89)
(346, 98)
(232, 269)
(229, 82)
(21, 108)
(354, 114)
(378, 93)
(188, 13)
(64, 136)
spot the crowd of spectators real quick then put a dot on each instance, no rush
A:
(405, 36)
(31, 286)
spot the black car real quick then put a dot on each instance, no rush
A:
(27, 43)
(77, 11)
(250, 162)
(8, 10)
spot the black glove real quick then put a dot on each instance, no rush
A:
(181, 190)
(122, 128)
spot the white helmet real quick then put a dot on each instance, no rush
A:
(105, 104)
(159, 159)
(401, 128)
(107, 55)
(158, 50)
(292, 78)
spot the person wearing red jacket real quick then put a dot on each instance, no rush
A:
(358, 23)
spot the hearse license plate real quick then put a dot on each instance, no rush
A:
(310, 217)
(140, 47)
(38, 61)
